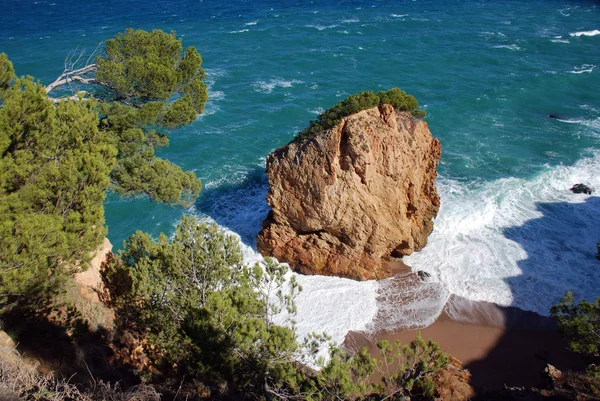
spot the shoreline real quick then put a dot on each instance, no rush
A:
(500, 346)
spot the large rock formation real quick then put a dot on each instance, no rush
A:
(346, 200)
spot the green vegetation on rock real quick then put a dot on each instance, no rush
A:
(416, 363)
(579, 324)
(355, 103)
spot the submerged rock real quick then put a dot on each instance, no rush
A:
(581, 189)
(423, 275)
(349, 198)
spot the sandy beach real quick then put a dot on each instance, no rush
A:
(499, 346)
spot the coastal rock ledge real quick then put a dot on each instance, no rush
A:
(345, 201)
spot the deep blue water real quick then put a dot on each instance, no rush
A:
(488, 73)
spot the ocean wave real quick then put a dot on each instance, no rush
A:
(512, 47)
(251, 23)
(216, 95)
(398, 15)
(594, 123)
(493, 34)
(406, 302)
(270, 85)
(586, 68)
(240, 31)
(322, 27)
(519, 242)
(586, 33)
(215, 72)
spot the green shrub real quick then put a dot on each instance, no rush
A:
(355, 103)
(579, 324)
(202, 312)
(416, 364)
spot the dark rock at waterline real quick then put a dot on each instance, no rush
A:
(581, 189)
(423, 275)
(554, 116)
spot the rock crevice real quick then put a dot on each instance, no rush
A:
(345, 200)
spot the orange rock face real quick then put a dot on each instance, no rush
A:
(345, 201)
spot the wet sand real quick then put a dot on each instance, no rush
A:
(499, 346)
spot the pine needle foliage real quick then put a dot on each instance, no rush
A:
(579, 324)
(362, 101)
(201, 310)
(415, 365)
(142, 66)
(55, 166)
(154, 86)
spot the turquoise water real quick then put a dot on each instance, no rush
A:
(488, 73)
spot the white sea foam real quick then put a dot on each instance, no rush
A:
(399, 15)
(406, 302)
(268, 86)
(520, 242)
(586, 68)
(240, 31)
(594, 124)
(512, 47)
(322, 27)
(216, 95)
(333, 305)
(586, 33)
(559, 40)
(251, 23)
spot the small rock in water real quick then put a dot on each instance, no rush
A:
(581, 189)
(423, 275)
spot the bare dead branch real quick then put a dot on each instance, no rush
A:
(73, 75)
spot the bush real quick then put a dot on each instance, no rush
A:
(200, 312)
(579, 324)
(416, 363)
(355, 103)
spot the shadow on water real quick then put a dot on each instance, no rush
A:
(561, 253)
(240, 207)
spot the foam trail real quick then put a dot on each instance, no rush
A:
(519, 242)
(583, 69)
(406, 302)
(586, 33)
(268, 86)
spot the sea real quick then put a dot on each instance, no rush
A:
(511, 89)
